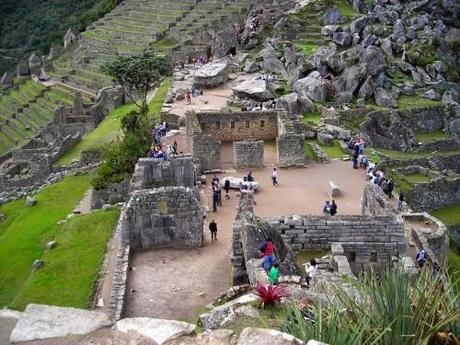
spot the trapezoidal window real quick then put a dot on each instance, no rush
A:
(262, 124)
(203, 126)
(232, 124)
(217, 125)
(247, 124)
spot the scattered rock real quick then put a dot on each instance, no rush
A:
(37, 264)
(211, 75)
(343, 39)
(432, 94)
(325, 139)
(159, 330)
(358, 25)
(255, 88)
(312, 87)
(329, 30)
(333, 16)
(51, 245)
(30, 201)
(44, 322)
(247, 310)
(258, 336)
(384, 98)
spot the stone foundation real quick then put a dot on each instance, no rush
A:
(248, 154)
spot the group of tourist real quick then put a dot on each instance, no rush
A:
(192, 93)
(359, 159)
(269, 77)
(157, 150)
(216, 193)
(330, 208)
(201, 61)
(377, 176)
(251, 105)
(421, 259)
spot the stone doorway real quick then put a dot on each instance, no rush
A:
(227, 155)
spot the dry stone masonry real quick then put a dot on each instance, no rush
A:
(248, 154)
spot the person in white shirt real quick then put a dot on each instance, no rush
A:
(274, 177)
(310, 269)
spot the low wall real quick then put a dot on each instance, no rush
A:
(111, 194)
(248, 154)
(205, 152)
(436, 242)
(166, 216)
(290, 149)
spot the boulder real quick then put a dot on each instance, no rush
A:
(258, 336)
(211, 75)
(385, 98)
(335, 62)
(44, 322)
(329, 30)
(306, 105)
(351, 79)
(343, 97)
(333, 16)
(37, 264)
(343, 39)
(368, 40)
(373, 60)
(254, 88)
(387, 48)
(334, 190)
(325, 139)
(312, 87)
(30, 201)
(290, 56)
(289, 102)
(357, 26)
(235, 182)
(251, 66)
(432, 94)
(398, 31)
(51, 245)
(274, 65)
(267, 53)
(367, 90)
(159, 330)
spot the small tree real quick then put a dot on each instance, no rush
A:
(137, 75)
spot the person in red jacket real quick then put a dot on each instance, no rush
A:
(268, 250)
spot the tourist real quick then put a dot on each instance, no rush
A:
(268, 249)
(213, 230)
(215, 197)
(250, 178)
(420, 258)
(188, 97)
(310, 269)
(400, 201)
(227, 188)
(274, 274)
(274, 177)
(175, 147)
(385, 186)
(364, 162)
(333, 208)
(327, 208)
(355, 160)
(391, 186)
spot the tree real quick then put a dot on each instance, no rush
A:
(137, 75)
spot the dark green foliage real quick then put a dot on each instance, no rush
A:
(35, 25)
(137, 75)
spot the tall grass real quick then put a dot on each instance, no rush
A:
(392, 309)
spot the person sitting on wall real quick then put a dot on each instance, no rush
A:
(420, 258)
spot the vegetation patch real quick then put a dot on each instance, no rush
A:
(26, 230)
(311, 118)
(448, 215)
(417, 178)
(431, 136)
(412, 102)
(108, 130)
(307, 48)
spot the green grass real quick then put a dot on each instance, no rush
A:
(307, 48)
(107, 131)
(431, 136)
(413, 102)
(312, 118)
(333, 151)
(26, 231)
(156, 104)
(306, 255)
(448, 215)
(417, 178)
(345, 8)
(309, 151)
(71, 269)
(164, 43)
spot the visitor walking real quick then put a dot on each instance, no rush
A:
(227, 188)
(213, 230)
(400, 201)
(327, 208)
(310, 270)
(391, 186)
(274, 274)
(333, 208)
(274, 177)
(215, 197)
(175, 147)
(268, 249)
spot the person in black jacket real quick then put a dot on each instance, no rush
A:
(213, 229)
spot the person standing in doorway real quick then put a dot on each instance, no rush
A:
(213, 230)
(275, 177)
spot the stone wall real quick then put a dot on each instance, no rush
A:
(365, 239)
(440, 145)
(205, 151)
(291, 151)
(239, 126)
(435, 243)
(438, 193)
(111, 194)
(166, 216)
(154, 173)
(248, 154)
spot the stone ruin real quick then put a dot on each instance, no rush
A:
(30, 165)
(206, 131)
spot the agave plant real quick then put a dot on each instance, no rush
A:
(271, 294)
(393, 309)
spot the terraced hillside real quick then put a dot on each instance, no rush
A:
(27, 109)
(135, 26)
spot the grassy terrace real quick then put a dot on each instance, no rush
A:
(333, 151)
(412, 102)
(63, 280)
(431, 136)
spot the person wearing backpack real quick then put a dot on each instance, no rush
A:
(327, 208)
(333, 208)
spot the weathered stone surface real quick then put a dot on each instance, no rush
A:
(37, 264)
(334, 190)
(159, 330)
(274, 65)
(358, 25)
(251, 66)
(289, 102)
(257, 336)
(30, 201)
(44, 322)
(51, 245)
(343, 39)
(312, 87)
(385, 98)
(255, 88)
(325, 139)
(333, 16)
(211, 75)
(366, 91)
(248, 154)
(328, 30)
(432, 94)
(387, 48)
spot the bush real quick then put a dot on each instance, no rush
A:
(271, 294)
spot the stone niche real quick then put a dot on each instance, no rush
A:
(167, 216)
(248, 154)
